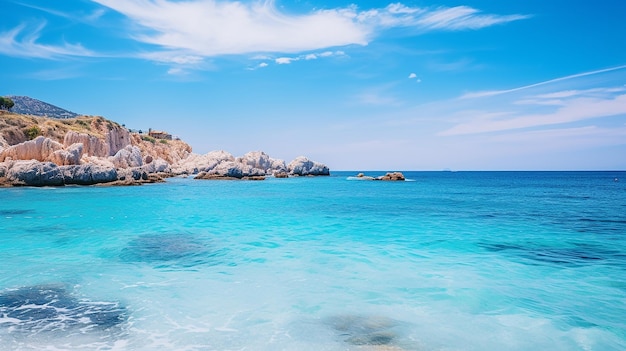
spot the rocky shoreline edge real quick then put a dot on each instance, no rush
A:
(95, 151)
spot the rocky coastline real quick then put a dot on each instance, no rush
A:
(39, 151)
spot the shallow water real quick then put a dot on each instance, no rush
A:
(449, 261)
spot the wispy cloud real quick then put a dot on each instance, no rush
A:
(285, 60)
(193, 30)
(481, 94)
(572, 111)
(586, 96)
(22, 41)
(83, 17)
(211, 27)
(375, 98)
(463, 17)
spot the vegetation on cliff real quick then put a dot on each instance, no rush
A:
(17, 128)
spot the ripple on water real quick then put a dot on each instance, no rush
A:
(15, 212)
(570, 255)
(41, 309)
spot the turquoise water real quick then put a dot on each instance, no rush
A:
(448, 261)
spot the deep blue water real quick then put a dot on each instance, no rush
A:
(446, 261)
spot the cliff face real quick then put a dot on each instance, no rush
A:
(40, 151)
(172, 151)
(80, 140)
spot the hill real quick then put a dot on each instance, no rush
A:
(28, 106)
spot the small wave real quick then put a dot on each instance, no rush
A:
(576, 255)
(15, 212)
(52, 309)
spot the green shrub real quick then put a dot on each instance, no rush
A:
(148, 138)
(32, 132)
(163, 141)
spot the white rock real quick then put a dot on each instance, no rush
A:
(40, 149)
(130, 156)
(302, 166)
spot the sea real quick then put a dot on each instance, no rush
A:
(443, 261)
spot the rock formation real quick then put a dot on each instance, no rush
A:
(302, 166)
(33, 173)
(393, 176)
(92, 150)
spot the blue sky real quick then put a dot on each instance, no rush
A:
(358, 85)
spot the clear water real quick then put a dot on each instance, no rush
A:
(449, 261)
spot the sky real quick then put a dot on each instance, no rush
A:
(357, 85)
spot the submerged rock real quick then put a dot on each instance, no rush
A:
(364, 330)
(51, 308)
(172, 250)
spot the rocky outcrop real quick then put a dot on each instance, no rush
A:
(92, 145)
(69, 156)
(196, 163)
(233, 170)
(3, 143)
(253, 165)
(157, 166)
(128, 157)
(302, 166)
(91, 150)
(172, 151)
(392, 176)
(88, 174)
(40, 149)
(114, 140)
(44, 150)
(261, 160)
(33, 173)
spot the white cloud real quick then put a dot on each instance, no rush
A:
(412, 76)
(172, 57)
(310, 57)
(19, 42)
(259, 66)
(461, 18)
(194, 29)
(285, 60)
(594, 98)
(176, 71)
(212, 27)
(574, 110)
